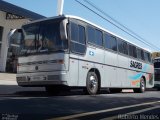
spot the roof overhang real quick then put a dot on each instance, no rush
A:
(18, 11)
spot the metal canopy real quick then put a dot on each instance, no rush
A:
(18, 11)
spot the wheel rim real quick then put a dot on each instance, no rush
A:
(92, 83)
(142, 85)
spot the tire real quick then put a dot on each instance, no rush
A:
(92, 84)
(142, 87)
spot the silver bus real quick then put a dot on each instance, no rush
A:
(157, 72)
(68, 51)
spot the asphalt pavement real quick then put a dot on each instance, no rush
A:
(25, 103)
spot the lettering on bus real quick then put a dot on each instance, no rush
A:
(135, 64)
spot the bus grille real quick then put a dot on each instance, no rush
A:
(53, 77)
(21, 78)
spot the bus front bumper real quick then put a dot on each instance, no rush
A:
(42, 79)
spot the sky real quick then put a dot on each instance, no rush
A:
(141, 16)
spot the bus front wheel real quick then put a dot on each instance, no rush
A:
(142, 87)
(92, 84)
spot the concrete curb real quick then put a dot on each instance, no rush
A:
(7, 76)
(7, 79)
(8, 82)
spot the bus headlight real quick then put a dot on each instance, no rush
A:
(60, 61)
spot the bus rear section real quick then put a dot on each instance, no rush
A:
(43, 59)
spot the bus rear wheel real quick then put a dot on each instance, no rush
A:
(142, 87)
(92, 84)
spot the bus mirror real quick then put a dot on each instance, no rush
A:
(63, 29)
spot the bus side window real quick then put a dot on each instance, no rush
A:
(132, 51)
(74, 32)
(147, 57)
(107, 41)
(139, 54)
(110, 42)
(142, 55)
(91, 34)
(113, 43)
(99, 37)
(122, 47)
(82, 36)
(78, 39)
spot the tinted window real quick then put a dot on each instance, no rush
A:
(82, 37)
(110, 42)
(74, 32)
(139, 54)
(142, 55)
(113, 43)
(107, 43)
(91, 35)
(78, 39)
(132, 51)
(147, 57)
(17, 37)
(1, 32)
(78, 48)
(42, 37)
(98, 37)
(122, 46)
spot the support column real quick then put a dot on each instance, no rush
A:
(60, 7)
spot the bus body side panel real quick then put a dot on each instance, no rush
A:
(73, 70)
(94, 58)
(110, 69)
(100, 57)
(122, 71)
(135, 74)
(149, 76)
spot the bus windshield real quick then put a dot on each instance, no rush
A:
(41, 37)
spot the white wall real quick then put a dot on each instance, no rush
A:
(8, 25)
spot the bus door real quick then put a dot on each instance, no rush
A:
(15, 37)
(78, 49)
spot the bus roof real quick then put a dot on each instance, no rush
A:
(79, 18)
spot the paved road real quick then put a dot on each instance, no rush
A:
(34, 103)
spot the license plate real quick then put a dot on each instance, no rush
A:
(37, 78)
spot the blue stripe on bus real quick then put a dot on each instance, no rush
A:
(139, 75)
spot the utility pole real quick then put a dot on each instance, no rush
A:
(60, 7)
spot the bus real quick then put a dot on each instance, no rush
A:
(157, 72)
(70, 52)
